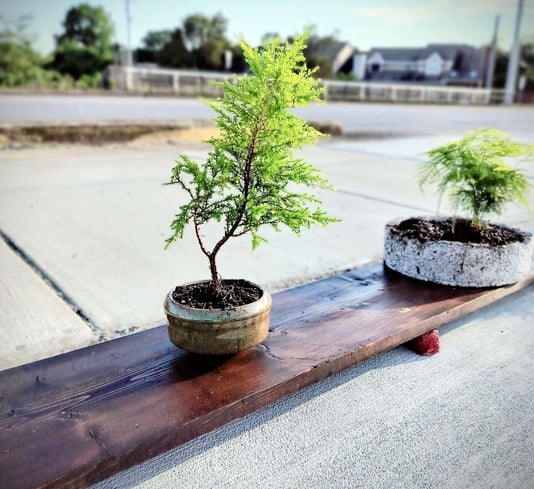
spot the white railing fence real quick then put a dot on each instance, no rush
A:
(201, 83)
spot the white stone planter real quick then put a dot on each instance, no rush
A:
(456, 263)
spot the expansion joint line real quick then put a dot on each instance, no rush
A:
(48, 280)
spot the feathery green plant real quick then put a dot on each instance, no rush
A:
(251, 178)
(474, 174)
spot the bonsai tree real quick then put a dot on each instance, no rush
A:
(474, 174)
(251, 177)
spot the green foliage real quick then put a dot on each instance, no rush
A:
(87, 82)
(155, 40)
(87, 26)
(199, 43)
(346, 76)
(211, 54)
(199, 29)
(527, 56)
(320, 52)
(174, 52)
(20, 64)
(475, 175)
(269, 37)
(251, 178)
(205, 40)
(85, 47)
(72, 59)
(153, 43)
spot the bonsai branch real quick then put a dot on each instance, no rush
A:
(197, 233)
(239, 219)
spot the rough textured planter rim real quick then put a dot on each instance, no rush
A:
(218, 331)
(455, 263)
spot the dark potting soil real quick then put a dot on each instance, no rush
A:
(205, 295)
(464, 232)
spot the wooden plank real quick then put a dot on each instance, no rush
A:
(75, 419)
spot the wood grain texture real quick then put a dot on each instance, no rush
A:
(75, 419)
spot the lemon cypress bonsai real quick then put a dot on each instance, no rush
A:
(251, 178)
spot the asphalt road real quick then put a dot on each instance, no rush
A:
(360, 118)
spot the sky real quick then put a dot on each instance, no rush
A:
(363, 23)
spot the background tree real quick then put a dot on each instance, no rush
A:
(501, 65)
(20, 64)
(152, 45)
(85, 47)
(239, 65)
(320, 53)
(174, 52)
(269, 37)
(211, 54)
(205, 40)
(88, 26)
(527, 56)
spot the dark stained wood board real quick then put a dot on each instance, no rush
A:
(78, 418)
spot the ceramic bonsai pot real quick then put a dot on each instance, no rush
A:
(458, 263)
(218, 331)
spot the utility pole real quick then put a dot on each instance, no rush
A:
(129, 61)
(513, 60)
(491, 59)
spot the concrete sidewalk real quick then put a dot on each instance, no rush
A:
(85, 263)
(90, 223)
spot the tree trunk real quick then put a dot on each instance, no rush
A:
(214, 272)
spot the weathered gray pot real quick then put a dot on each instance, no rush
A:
(218, 331)
(456, 263)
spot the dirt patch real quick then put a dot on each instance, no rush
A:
(189, 135)
(462, 231)
(4, 141)
(145, 133)
(82, 134)
(203, 134)
(327, 127)
(98, 133)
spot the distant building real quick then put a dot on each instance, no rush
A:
(438, 64)
(343, 59)
(332, 56)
